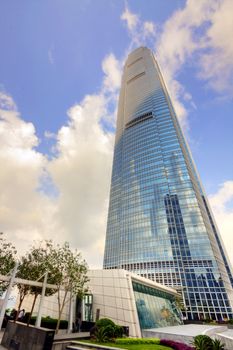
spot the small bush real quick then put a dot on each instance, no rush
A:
(106, 330)
(123, 341)
(202, 342)
(175, 345)
(206, 320)
(109, 331)
(104, 322)
(101, 334)
(118, 331)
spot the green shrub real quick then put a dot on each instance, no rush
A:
(104, 322)
(109, 331)
(106, 330)
(118, 331)
(202, 342)
(101, 334)
(206, 320)
(123, 341)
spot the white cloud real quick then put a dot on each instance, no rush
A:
(80, 171)
(140, 32)
(222, 205)
(49, 135)
(178, 39)
(6, 102)
(197, 34)
(149, 29)
(112, 69)
(51, 56)
(130, 18)
(176, 45)
(217, 63)
(82, 168)
(23, 209)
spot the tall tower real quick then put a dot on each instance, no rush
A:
(160, 224)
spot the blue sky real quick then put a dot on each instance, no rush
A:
(60, 68)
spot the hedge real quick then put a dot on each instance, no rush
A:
(48, 322)
(122, 341)
(175, 345)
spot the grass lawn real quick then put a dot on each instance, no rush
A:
(135, 346)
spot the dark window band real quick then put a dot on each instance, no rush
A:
(139, 119)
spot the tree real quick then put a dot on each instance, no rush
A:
(65, 268)
(69, 271)
(23, 289)
(33, 267)
(7, 259)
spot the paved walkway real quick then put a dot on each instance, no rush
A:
(190, 330)
(229, 333)
(226, 338)
(184, 333)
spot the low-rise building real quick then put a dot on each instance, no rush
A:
(126, 298)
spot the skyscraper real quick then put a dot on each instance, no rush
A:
(160, 224)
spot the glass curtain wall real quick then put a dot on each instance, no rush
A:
(159, 223)
(155, 308)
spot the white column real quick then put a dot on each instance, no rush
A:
(71, 314)
(38, 319)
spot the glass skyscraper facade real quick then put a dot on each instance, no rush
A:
(160, 224)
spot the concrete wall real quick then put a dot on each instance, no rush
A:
(50, 306)
(113, 296)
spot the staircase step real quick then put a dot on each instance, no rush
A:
(74, 347)
(88, 346)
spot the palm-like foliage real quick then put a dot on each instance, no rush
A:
(202, 342)
(217, 345)
(102, 334)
